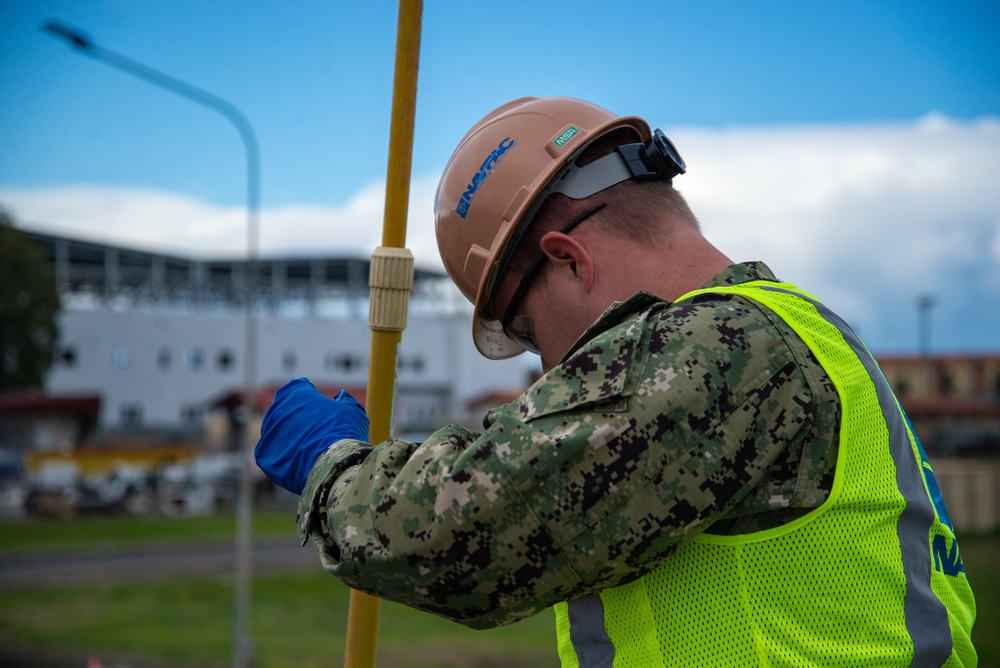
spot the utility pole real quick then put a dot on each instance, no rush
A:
(925, 304)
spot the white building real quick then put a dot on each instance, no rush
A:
(159, 338)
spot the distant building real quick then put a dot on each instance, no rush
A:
(952, 400)
(151, 353)
(160, 338)
(143, 406)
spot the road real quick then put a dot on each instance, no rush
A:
(125, 564)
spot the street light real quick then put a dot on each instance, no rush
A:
(925, 303)
(81, 42)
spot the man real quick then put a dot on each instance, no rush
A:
(712, 471)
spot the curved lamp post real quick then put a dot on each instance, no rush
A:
(81, 42)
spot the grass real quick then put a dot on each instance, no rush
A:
(981, 556)
(120, 531)
(298, 619)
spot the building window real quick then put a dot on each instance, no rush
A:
(946, 385)
(120, 356)
(131, 416)
(190, 415)
(68, 357)
(193, 359)
(415, 364)
(225, 360)
(288, 361)
(349, 363)
(163, 359)
(344, 362)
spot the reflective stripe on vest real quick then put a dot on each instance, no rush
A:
(593, 646)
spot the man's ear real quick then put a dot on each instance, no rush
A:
(564, 251)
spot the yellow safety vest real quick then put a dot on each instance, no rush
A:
(873, 577)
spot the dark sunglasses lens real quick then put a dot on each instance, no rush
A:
(522, 331)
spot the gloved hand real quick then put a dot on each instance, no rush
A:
(299, 426)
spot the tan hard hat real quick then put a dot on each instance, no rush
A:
(493, 184)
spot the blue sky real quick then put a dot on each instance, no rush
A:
(855, 146)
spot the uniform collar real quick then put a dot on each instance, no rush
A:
(618, 312)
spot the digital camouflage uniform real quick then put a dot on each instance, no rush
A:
(663, 421)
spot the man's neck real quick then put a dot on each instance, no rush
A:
(682, 262)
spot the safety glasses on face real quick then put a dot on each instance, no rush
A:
(520, 328)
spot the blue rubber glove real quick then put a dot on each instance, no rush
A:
(299, 426)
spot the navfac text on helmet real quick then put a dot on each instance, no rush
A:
(480, 177)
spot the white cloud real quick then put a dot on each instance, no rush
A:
(143, 217)
(175, 223)
(851, 211)
(863, 215)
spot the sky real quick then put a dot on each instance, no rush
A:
(853, 146)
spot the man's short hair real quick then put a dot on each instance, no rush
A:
(631, 206)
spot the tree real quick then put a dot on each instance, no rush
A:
(29, 303)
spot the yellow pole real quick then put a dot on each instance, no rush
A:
(391, 279)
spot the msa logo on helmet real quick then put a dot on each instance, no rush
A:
(489, 164)
(566, 136)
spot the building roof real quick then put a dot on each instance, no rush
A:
(952, 358)
(37, 402)
(105, 271)
(938, 406)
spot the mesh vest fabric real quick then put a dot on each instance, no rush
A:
(873, 577)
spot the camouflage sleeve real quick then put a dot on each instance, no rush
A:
(598, 472)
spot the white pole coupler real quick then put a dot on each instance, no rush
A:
(390, 279)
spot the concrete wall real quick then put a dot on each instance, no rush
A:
(971, 490)
(159, 370)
